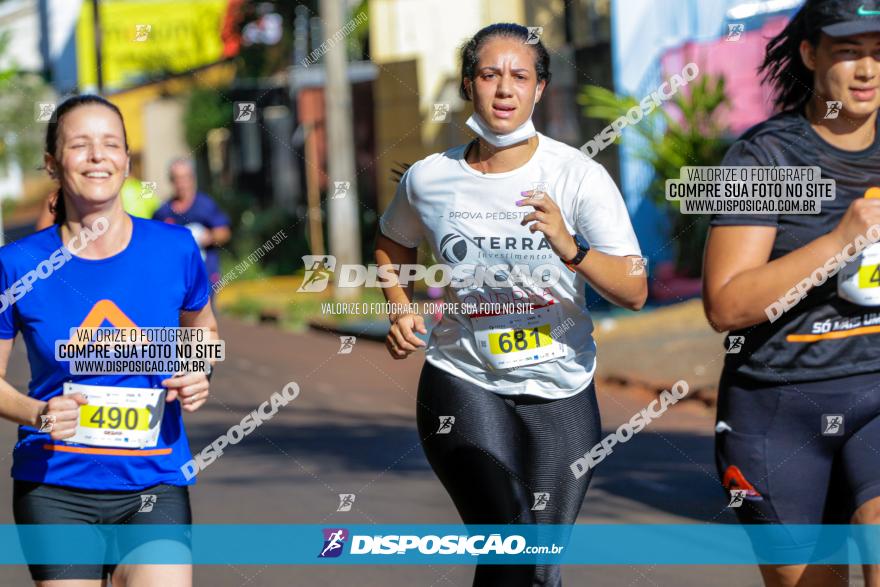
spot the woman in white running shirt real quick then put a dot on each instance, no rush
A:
(506, 403)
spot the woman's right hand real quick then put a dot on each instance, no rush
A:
(61, 414)
(861, 215)
(401, 341)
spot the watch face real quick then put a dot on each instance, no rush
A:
(581, 242)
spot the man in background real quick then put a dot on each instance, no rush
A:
(198, 212)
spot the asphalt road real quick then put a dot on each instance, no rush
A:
(352, 430)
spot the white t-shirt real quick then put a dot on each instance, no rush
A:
(474, 218)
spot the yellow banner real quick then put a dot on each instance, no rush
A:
(143, 38)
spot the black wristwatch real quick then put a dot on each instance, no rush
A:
(583, 248)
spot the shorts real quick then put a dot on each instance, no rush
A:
(37, 503)
(800, 453)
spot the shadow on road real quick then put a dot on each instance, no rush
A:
(666, 472)
(673, 472)
(324, 448)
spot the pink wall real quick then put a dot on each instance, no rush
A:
(749, 101)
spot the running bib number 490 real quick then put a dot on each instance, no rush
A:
(514, 340)
(121, 417)
(859, 282)
(114, 418)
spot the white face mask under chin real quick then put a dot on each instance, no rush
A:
(522, 133)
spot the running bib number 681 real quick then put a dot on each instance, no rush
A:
(508, 341)
(519, 340)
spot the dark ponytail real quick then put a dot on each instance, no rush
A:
(783, 67)
(57, 207)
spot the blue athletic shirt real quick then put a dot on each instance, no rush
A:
(158, 274)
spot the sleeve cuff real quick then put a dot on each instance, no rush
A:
(394, 235)
(193, 307)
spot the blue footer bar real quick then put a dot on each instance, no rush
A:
(611, 544)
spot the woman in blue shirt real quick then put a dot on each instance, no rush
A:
(98, 267)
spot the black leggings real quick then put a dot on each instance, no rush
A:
(499, 452)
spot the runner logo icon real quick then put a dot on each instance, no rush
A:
(346, 345)
(45, 112)
(735, 344)
(834, 107)
(346, 500)
(832, 424)
(319, 268)
(142, 32)
(147, 503)
(47, 422)
(541, 501)
(334, 542)
(340, 189)
(446, 423)
(244, 111)
(441, 113)
(637, 265)
(735, 31)
(535, 33)
(736, 498)
(149, 189)
(539, 188)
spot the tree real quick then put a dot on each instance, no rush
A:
(21, 137)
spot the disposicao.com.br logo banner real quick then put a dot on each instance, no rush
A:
(310, 544)
(435, 544)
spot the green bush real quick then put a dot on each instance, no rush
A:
(252, 227)
(206, 109)
(670, 144)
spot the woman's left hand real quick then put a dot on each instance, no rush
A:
(547, 219)
(191, 389)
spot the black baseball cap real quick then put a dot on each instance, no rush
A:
(842, 18)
